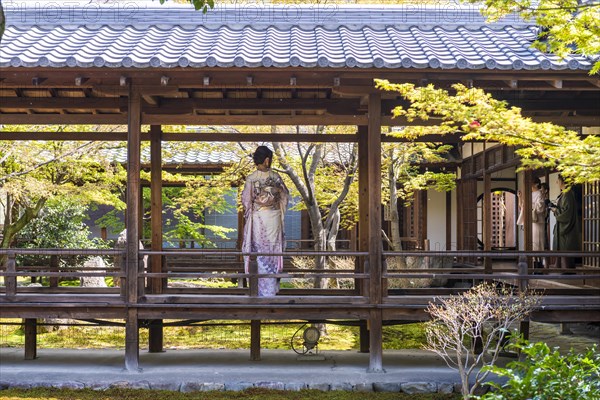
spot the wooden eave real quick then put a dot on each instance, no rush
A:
(268, 96)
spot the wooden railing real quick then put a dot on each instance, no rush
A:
(228, 265)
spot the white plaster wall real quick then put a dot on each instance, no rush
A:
(436, 219)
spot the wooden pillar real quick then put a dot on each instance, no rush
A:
(141, 213)
(487, 220)
(30, 338)
(363, 200)
(416, 206)
(133, 260)
(526, 196)
(527, 228)
(375, 246)
(363, 337)
(255, 340)
(10, 282)
(155, 329)
(423, 215)
(459, 216)
(363, 225)
(238, 245)
(448, 221)
(53, 280)
(255, 323)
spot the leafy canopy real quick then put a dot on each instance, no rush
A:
(568, 26)
(476, 115)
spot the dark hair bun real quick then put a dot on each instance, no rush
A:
(262, 153)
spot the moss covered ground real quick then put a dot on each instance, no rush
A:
(250, 394)
(211, 335)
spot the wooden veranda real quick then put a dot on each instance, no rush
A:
(293, 94)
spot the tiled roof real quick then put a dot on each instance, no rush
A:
(251, 35)
(216, 153)
(173, 156)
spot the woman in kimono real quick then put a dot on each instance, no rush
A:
(538, 217)
(265, 199)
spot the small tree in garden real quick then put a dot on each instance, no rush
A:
(478, 319)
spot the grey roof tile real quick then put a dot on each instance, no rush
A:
(177, 156)
(144, 36)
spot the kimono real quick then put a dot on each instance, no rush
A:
(265, 198)
(538, 221)
(567, 230)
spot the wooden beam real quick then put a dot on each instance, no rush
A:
(575, 120)
(179, 106)
(78, 103)
(257, 137)
(217, 137)
(132, 216)
(325, 119)
(84, 136)
(63, 119)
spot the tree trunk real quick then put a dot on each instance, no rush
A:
(333, 229)
(394, 216)
(320, 242)
(2, 20)
(11, 229)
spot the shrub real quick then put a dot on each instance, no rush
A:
(467, 330)
(548, 375)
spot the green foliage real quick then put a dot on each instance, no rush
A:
(59, 225)
(113, 221)
(548, 375)
(406, 160)
(408, 336)
(569, 26)
(186, 207)
(478, 116)
(34, 172)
